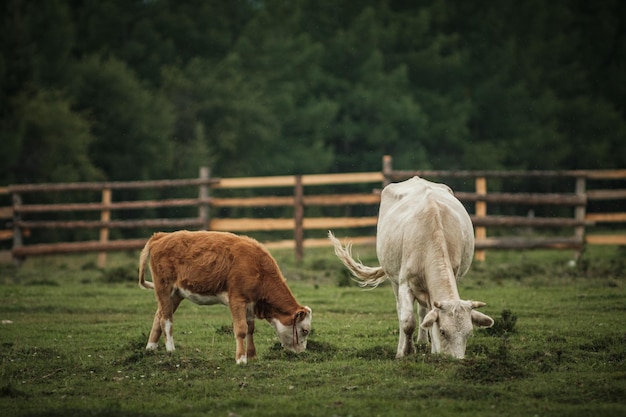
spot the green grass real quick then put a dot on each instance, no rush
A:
(76, 345)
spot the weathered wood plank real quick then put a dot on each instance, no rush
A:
(113, 185)
(123, 205)
(606, 217)
(341, 199)
(113, 224)
(249, 224)
(252, 201)
(524, 198)
(398, 175)
(528, 243)
(606, 194)
(606, 239)
(519, 221)
(319, 243)
(77, 247)
(290, 180)
(339, 222)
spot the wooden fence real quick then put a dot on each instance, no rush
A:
(567, 225)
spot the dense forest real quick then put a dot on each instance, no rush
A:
(147, 89)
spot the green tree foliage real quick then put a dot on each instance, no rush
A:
(54, 141)
(132, 89)
(538, 76)
(132, 124)
(41, 137)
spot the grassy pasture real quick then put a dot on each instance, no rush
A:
(73, 336)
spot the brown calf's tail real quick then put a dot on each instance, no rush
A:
(366, 276)
(143, 259)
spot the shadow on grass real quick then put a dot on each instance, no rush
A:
(112, 411)
(490, 367)
(315, 352)
(322, 351)
(376, 353)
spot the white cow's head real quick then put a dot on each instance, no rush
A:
(450, 324)
(293, 335)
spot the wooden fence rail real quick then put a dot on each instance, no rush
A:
(214, 195)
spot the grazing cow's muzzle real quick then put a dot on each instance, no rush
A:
(301, 347)
(450, 324)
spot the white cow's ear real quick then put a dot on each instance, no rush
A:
(481, 320)
(430, 319)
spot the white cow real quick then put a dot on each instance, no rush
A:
(424, 243)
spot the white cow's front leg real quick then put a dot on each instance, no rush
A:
(422, 334)
(434, 338)
(406, 318)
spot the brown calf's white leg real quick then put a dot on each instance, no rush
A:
(167, 323)
(163, 322)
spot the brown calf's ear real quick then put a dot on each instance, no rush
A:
(300, 315)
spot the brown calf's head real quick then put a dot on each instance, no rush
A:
(294, 331)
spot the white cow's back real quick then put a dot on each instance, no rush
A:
(408, 218)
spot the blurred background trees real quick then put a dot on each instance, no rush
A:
(141, 89)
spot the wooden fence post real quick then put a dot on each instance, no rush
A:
(203, 194)
(387, 168)
(17, 231)
(298, 213)
(580, 213)
(481, 211)
(105, 216)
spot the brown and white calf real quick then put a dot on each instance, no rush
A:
(424, 243)
(222, 268)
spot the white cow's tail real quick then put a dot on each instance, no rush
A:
(143, 259)
(366, 276)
